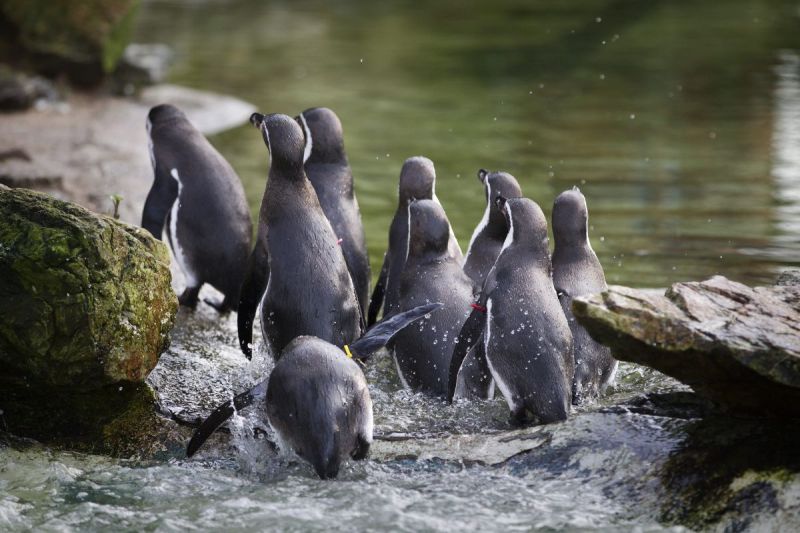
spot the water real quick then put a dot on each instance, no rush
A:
(678, 120)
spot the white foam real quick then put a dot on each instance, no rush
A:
(369, 423)
(504, 388)
(400, 373)
(191, 278)
(309, 142)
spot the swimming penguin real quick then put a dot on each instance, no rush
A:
(317, 398)
(490, 233)
(201, 199)
(297, 264)
(431, 273)
(327, 167)
(526, 336)
(417, 182)
(577, 272)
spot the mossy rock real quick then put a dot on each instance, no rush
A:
(86, 308)
(82, 38)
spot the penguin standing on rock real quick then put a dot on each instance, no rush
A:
(417, 182)
(577, 272)
(327, 167)
(297, 263)
(200, 198)
(490, 233)
(520, 322)
(431, 274)
(317, 398)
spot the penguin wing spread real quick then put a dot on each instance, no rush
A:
(159, 201)
(381, 333)
(470, 334)
(376, 301)
(222, 413)
(253, 287)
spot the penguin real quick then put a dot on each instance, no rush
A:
(431, 273)
(417, 182)
(518, 318)
(316, 398)
(491, 231)
(330, 174)
(200, 198)
(296, 264)
(577, 272)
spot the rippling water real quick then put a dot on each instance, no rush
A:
(680, 121)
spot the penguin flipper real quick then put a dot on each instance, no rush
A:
(470, 334)
(376, 301)
(563, 297)
(253, 287)
(159, 201)
(382, 332)
(223, 413)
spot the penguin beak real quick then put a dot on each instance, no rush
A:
(256, 119)
(482, 173)
(500, 201)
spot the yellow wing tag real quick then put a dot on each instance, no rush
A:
(347, 351)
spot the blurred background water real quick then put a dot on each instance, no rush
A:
(680, 121)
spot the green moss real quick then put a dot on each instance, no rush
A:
(86, 307)
(85, 298)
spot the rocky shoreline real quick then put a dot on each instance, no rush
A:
(94, 145)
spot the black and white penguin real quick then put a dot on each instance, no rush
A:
(327, 167)
(316, 398)
(200, 198)
(297, 264)
(526, 337)
(490, 233)
(577, 272)
(431, 273)
(417, 182)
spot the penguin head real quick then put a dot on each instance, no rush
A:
(163, 113)
(428, 228)
(417, 180)
(498, 184)
(324, 139)
(570, 218)
(527, 225)
(283, 137)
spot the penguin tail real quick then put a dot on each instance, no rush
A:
(223, 413)
(382, 332)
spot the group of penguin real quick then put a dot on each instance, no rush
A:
(501, 315)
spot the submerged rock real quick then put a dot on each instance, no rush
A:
(86, 308)
(19, 91)
(737, 346)
(142, 65)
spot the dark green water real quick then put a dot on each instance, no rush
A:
(679, 120)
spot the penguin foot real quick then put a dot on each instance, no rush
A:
(189, 297)
(222, 307)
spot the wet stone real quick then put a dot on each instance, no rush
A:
(735, 345)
